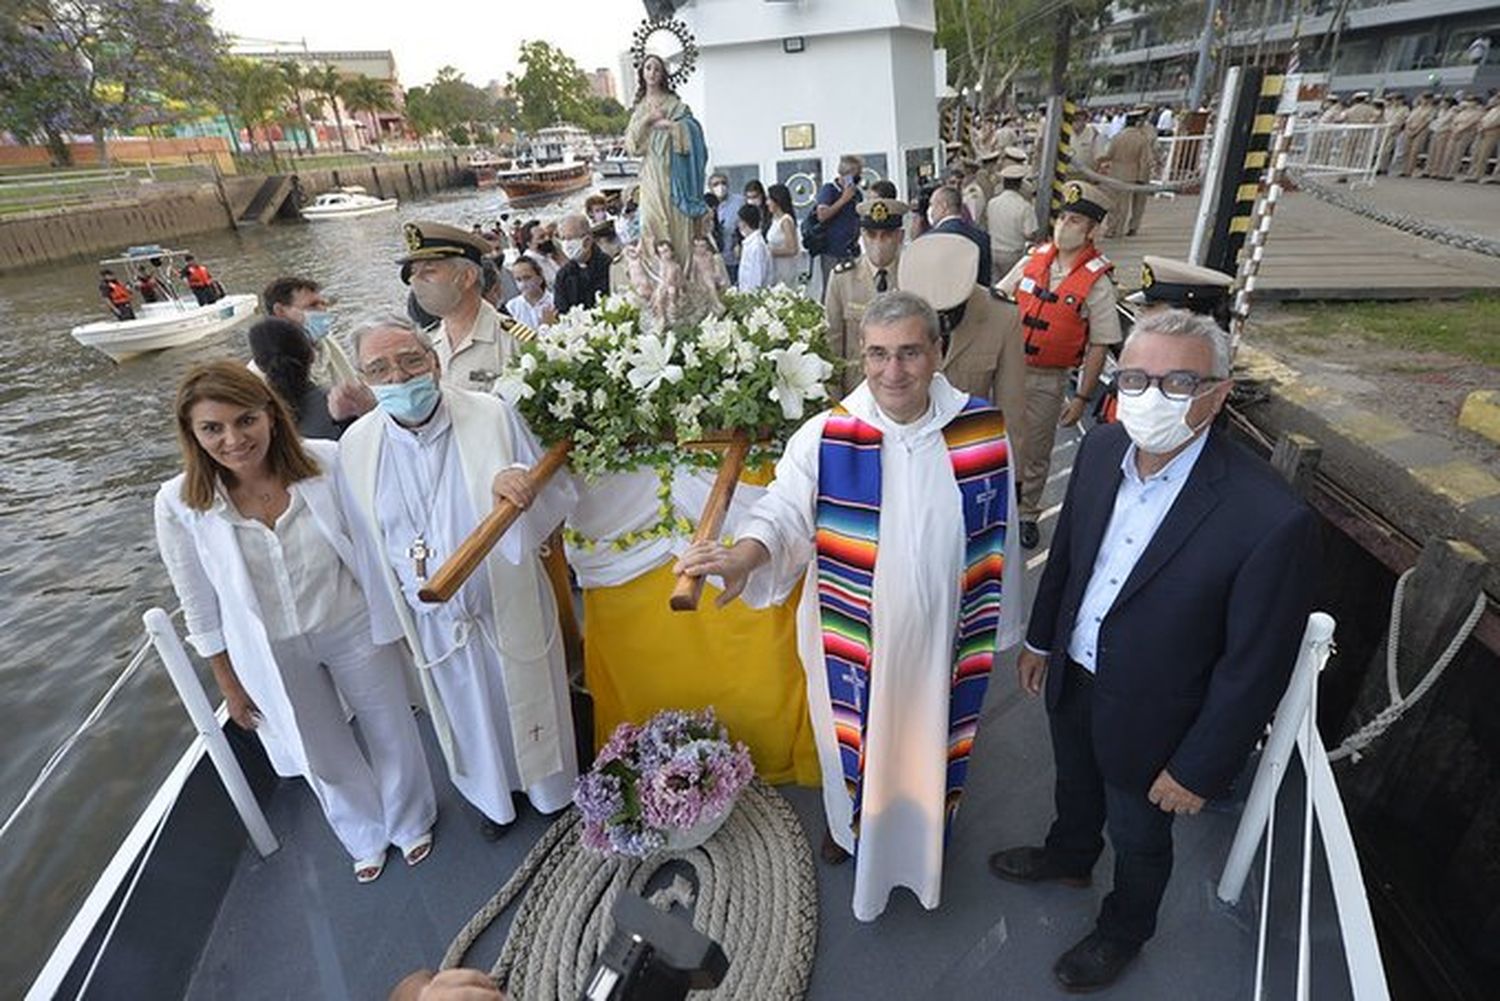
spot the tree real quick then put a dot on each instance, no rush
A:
(365, 95)
(296, 77)
(327, 84)
(257, 92)
(33, 99)
(111, 63)
(551, 88)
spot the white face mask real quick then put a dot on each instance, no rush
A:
(437, 297)
(1067, 237)
(1156, 424)
(572, 248)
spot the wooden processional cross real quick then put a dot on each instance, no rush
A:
(689, 590)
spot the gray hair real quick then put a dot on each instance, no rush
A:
(1181, 323)
(388, 321)
(889, 308)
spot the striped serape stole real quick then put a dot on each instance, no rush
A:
(846, 538)
(980, 454)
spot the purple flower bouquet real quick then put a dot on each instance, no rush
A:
(667, 784)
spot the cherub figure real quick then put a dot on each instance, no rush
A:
(635, 268)
(706, 266)
(668, 282)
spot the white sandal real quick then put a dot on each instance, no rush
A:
(419, 850)
(368, 870)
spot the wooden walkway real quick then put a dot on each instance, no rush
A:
(1320, 251)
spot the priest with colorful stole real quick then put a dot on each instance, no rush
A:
(895, 511)
(417, 475)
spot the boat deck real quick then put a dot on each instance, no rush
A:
(296, 925)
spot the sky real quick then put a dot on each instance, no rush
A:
(479, 37)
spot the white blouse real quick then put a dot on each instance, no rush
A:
(529, 314)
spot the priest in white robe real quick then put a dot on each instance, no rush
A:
(418, 474)
(896, 508)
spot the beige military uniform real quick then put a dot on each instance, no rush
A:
(1394, 119)
(478, 361)
(1362, 113)
(1132, 158)
(850, 288)
(1489, 138)
(1045, 387)
(1440, 133)
(987, 357)
(1009, 217)
(1415, 132)
(1465, 130)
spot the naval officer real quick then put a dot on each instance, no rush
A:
(858, 280)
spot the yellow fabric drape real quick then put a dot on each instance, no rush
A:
(639, 658)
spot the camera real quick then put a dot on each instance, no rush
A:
(653, 955)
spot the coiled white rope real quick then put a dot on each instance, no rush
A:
(757, 897)
(1354, 745)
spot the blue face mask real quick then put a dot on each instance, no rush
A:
(317, 323)
(410, 402)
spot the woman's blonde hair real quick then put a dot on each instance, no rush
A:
(232, 383)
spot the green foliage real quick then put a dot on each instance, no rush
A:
(453, 106)
(326, 82)
(92, 65)
(254, 92)
(365, 95)
(551, 88)
(1464, 328)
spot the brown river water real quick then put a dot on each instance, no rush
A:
(83, 444)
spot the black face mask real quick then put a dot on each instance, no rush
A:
(547, 247)
(949, 319)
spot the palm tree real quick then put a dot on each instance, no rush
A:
(366, 95)
(296, 77)
(257, 92)
(326, 82)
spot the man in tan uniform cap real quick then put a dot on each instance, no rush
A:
(858, 280)
(983, 354)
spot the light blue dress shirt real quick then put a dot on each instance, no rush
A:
(1140, 508)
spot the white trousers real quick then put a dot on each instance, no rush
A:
(472, 686)
(371, 800)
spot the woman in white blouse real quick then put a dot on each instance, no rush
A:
(787, 264)
(533, 306)
(259, 553)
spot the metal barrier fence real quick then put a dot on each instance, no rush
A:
(1180, 158)
(43, 190)
(1348, 151)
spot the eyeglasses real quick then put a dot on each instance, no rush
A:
(1179, 384)
(906, 355)
(409, 362)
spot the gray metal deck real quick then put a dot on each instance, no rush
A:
(296, 925)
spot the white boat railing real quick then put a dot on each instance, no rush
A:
(1296, 728)
(1328, 150)
(128, 863)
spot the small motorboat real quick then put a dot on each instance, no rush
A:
(618, 163)
(176, 320)
(347, 203)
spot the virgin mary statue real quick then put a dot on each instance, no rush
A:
(669, 141)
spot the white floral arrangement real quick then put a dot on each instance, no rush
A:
(629, 398)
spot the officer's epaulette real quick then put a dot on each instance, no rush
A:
(846, 265)
(516, 328)
(1099, 263)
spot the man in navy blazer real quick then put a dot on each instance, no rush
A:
(1163, 632)
(945, 214)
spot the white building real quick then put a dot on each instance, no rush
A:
(783, 89)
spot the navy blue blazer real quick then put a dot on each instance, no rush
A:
(1197, 649)
(956, 224)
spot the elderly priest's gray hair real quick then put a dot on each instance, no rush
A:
(389, 321)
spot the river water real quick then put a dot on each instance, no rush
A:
(83, 444)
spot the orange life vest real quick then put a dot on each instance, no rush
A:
(118, 294)
(197, 276)
(1052, 319)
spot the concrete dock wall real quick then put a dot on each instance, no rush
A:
(164, 212)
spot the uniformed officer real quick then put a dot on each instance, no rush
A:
(1010, 220)
(1439, 133)
(1489, 138)
(1068, 318)
(1415, 132)
(443, 267)
(1461, 136)
(1167, 283)
(858, 280)
(975, 195)
(983, 353)
(1015, 156)
(1131, 159)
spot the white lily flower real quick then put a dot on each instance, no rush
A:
(512, 387)
(651, 363)
(799, 377)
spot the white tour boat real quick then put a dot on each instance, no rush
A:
(172, 323)
(347, 203)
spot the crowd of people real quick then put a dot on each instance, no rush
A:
(323, 485)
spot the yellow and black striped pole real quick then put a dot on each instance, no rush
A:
(1064, 159)
(1250, 148)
